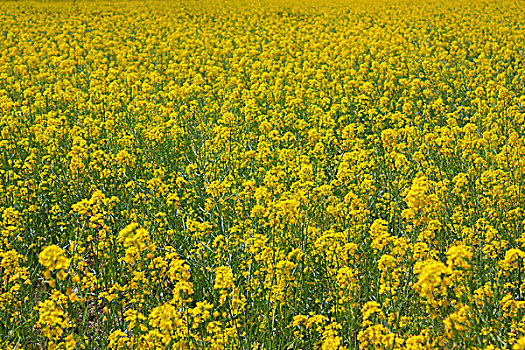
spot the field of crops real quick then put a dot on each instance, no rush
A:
(239, 174)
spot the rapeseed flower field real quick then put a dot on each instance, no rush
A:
(310, 174)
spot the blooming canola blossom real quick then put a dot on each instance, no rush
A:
(306, 174)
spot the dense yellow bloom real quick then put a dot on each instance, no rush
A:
(369, 309)
(459, 256)
(520, 344)
(52, 320)
(417, 342)
(52, 258)
(433, 278)
(165, 317)
(389, 138)
(310, 174)
(511, 257)
(135, 240)
(331, 339)
(379, 337)
(118, 340)
(457, 321)
(417, 196)
(223, 278)
(379, 234)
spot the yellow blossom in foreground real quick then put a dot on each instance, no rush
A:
(520, 344)
(433, 278)
(52, 257)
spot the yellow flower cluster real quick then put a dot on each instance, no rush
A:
(53, 258)
(306, 174)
